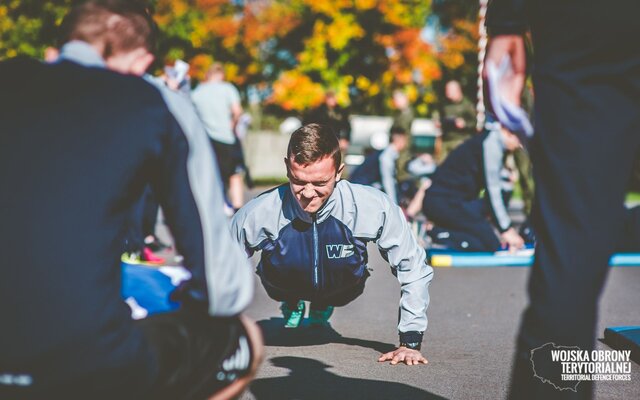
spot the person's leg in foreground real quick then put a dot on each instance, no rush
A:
(587, 89)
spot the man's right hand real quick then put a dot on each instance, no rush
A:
(511, 238)
(403, 355)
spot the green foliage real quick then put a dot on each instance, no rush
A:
(360, 49)
(27, 27)
(633, 197)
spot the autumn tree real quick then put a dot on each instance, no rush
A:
(360, 49)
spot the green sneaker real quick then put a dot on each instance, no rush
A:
(292, 317)
(131, 258)
(320, 317)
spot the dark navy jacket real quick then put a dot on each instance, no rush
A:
(368, 172)
(77, 145)
(379, 170)
(320, 257)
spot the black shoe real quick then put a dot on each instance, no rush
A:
(526, 232)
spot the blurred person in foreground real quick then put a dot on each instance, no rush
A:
(313, 234)
(68, 333)
(587, 95)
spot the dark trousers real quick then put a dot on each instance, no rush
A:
(587, 88)
(338, 298)
(631, 239)
(464, 222)
(142, 222)
(149, 213)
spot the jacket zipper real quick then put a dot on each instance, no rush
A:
(315, 254)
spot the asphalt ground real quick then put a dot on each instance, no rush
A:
(474, 316)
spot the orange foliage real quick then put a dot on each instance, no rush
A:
(462, 39)
(295, 91)
(199, 66)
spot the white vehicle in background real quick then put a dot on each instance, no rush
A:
(289, 125)
(370, 132)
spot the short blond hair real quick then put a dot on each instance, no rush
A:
(215, 69)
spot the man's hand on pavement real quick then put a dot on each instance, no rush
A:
(512, 238)
(403, 355)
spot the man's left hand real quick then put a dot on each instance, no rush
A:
(403, 355)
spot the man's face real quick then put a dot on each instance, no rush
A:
(331, 101)
(400, 101)
(453, 91)
(312, 184)
(401, 142)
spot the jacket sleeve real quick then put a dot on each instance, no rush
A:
(408, 262)
(239, 230)
(506, 17)
(190, 191)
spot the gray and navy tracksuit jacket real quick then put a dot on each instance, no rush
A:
(77, 146)
(323, 257)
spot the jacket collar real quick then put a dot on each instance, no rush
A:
(293, 210)
(81, 53)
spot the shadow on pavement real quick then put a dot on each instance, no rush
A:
(309, 380)
(275, 334)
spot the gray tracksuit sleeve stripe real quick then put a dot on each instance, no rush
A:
(228, 273)
(388, 172)
(493, 153)
(408, 260)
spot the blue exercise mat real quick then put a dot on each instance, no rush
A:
(146, 289)
(625, 260)
(467, 260)
(624, 338)
(452, 258)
